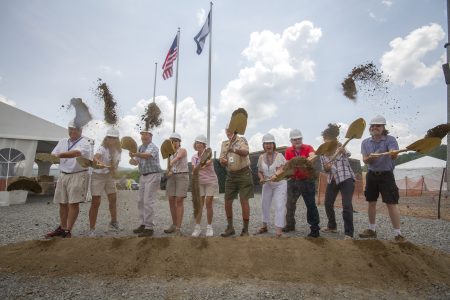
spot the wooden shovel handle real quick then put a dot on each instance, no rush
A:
(388, 153)
(333, 158)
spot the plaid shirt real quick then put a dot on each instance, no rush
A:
(340, 168)
(150, 165)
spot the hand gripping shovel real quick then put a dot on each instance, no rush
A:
(196, 198)
(86, 163)
(355, 131)
(422, 146)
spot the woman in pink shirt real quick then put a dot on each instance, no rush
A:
(208, 185)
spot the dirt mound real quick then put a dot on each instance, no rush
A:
(370, 263)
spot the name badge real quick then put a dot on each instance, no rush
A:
(231, 159)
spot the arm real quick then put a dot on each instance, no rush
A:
(181, 154)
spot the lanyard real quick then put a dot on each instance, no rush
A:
(71, 146)
(297, 153)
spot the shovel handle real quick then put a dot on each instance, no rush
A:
(333, 158)
(388, 153)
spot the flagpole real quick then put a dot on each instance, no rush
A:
(208, 131)
(176, 80)
(154, 83)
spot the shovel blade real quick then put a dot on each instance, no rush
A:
(238, 123)
(424, 145)
(327, 148)
(356, 129)
(167, 149)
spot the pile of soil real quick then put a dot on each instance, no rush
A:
(367, 76)
(103, 93)
(368, 263)
(152, 117)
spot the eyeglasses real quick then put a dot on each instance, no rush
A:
(295, 140)
(376, 125)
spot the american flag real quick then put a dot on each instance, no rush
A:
(170, 58)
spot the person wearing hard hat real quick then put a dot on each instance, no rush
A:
(208, 185)
(380, 177)
(177, 184)
(300, 184)
(270, 163)
(340, 178)
(234, 156)
(108, 154)
(72, 184)
(147, 160)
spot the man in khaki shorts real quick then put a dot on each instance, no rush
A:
(71, 187)
(234, 155)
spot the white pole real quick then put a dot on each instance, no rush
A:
(176, 80)
(208, 131)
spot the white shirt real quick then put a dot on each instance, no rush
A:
(269, 171)
(106, 159)
(70, 165)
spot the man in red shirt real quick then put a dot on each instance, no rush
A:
(301, 184)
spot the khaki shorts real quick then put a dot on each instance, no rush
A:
(209, 189)
(71, 188)
(102, 182)
(239, 182)
(177, 185)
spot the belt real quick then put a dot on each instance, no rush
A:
(73, 172)
(149, 173)
(379, 173)
(180, 173)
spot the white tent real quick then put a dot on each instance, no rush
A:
(22, 135)
(426, 167)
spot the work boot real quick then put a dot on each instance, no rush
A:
(314, 233)
(228, 232)
(171, 229)
(288, 228)
(244, 233)
(139, 229)
(57, 232)
(368, 233)
(146, 233)
(400, 238)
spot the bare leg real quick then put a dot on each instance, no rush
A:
(229, 208)
(179, 211)
(198, 218)
(112, 198)
(63, 212)
(209, 208)
(173, 209)
(93, 211)
(394, 214)
(245, 209)
(372, 211)
(74, 209)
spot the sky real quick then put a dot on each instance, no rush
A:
(283, 61)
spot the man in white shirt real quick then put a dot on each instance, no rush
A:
(71, 187)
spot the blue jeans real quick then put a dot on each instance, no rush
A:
(306, 189)
(346, 188)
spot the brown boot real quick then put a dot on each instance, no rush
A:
(228, 232)
(146, 233)
(368, 233)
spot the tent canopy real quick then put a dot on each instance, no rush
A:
(423, 162)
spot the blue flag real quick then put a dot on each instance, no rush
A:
(201, 36)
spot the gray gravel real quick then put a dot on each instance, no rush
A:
(39, 215)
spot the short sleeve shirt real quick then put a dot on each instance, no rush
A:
(151, 164)
(304, 151)
(383, 163)
(107, 159)
(70, 165)
(269, 170)
(207, 174)
(235, 161)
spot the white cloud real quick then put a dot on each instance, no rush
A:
(374, 17)
(388, 3)
(281, 135)
(201, 17)
(403, 63)
(7, 101)
(109, 70)
(279, 63)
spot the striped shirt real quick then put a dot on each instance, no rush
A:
(151, 164)
(340, 168)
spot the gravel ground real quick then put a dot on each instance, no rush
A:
(39, 215)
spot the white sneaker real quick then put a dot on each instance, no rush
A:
(92, 233)
(197, 231)
(209, 231)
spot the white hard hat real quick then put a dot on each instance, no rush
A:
(175, 135)
(112, 132)
(268, 138)
(378, 120)
(146, 131)
(71, 124)
(295, 134)
(201, 139)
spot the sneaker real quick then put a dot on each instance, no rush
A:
(209, 231)
(139, 229)
(197, 231)
(114, 226)
(368, 233)
(347, 237)
(228, 232)
(400, 238)
(314, 233)
(329, 230)
(146, 233)
(66, 234)
(57, 232)
(171, 229)
(244, 233)
(92, 233)
(288, 228)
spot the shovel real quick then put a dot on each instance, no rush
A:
(86, 163)
(422, 146)
(167, 150)
(128, 143)
(238, 122)
(355, 131)
(328, 147)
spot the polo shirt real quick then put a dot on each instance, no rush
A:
(304, 151)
